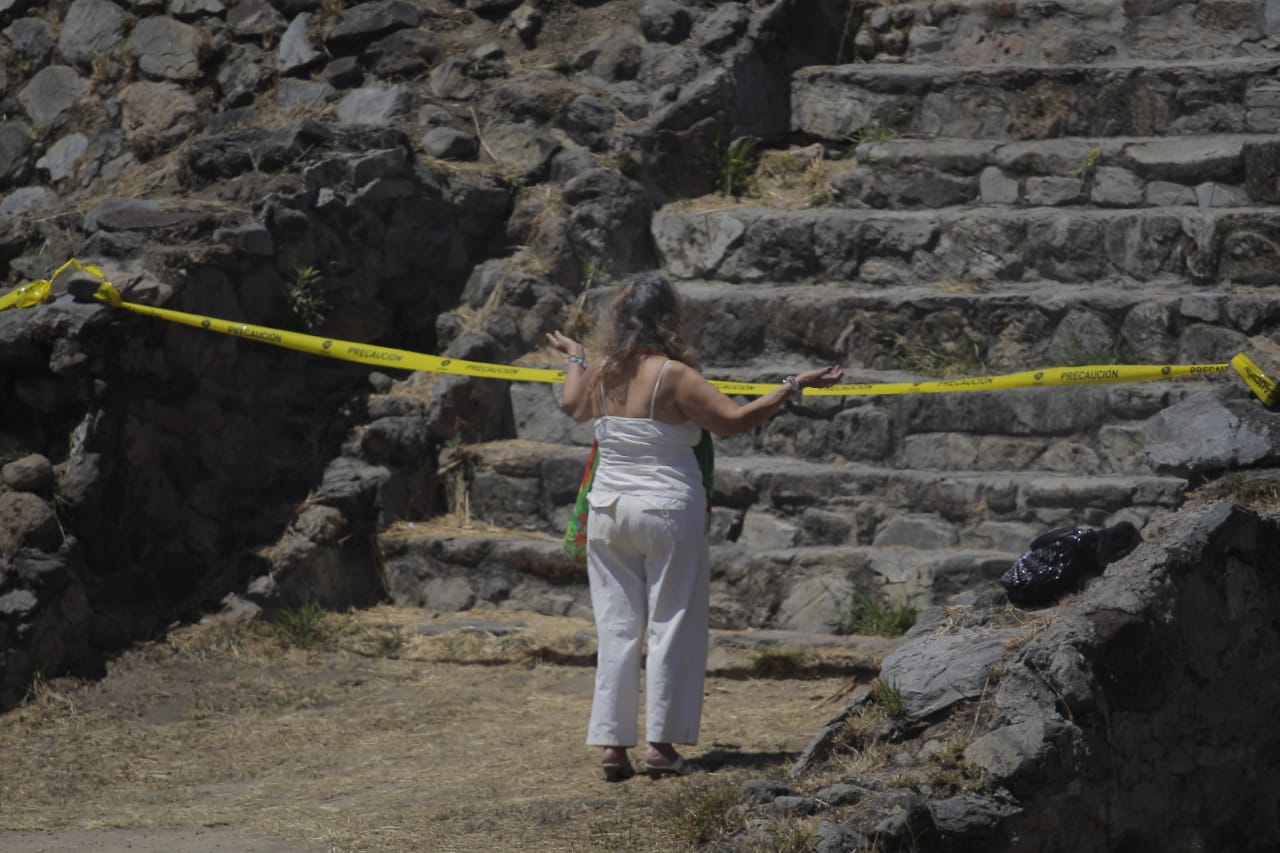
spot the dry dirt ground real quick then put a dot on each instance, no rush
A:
(389, 729)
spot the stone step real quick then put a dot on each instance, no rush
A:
(780, 501)
(806, 588)
(936, 333)
(971, 247)
(1218, 170)
(837, 103)
(992, 32)
(874, 504)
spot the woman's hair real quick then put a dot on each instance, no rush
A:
(646, 313)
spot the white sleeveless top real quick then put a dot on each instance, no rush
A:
(647, 459)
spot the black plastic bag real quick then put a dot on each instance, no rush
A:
(1061, 561)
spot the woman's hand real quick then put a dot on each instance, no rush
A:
(822, 377)
(563, 343)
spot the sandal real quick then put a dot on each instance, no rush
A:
(618, 771)
(679, 767)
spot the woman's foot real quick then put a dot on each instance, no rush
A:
(660, 755)
(661, 759)
(616, 764)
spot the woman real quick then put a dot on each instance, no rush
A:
(648, 562)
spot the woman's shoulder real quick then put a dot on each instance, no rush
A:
(678, 366)
(680, 371)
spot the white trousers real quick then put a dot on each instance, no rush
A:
(648, 568)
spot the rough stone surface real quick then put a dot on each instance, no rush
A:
(31, 473)
(52, 91)
(1204, 435)
(166, 48)
(91, 28)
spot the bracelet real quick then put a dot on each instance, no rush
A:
(576, 359)
(793, 383)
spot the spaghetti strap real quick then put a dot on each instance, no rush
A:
(653, 398)
(604, 401)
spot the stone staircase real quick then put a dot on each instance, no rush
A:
(1021, 184)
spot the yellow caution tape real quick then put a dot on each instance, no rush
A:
(35, 292)
(1097, 374)
(1092, 374)
(332, 348)
(1263, 386)
(26, 295)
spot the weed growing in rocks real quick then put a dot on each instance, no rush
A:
(1088, 163)
(871, 133)
(307, 305)
(859, 755)
(869, 616)
(888, 697)
(306, 627)
(737, 163)
(951, 360)
(707, 814)
(592, 272)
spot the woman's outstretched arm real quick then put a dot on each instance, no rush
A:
(708, 407)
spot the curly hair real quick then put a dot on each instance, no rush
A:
(646, 314)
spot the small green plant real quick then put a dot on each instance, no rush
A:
(738, 162)
(306, 301)
(305, 627)
(867, 616)
(875, 133)
(951, 360)
(706, 814)
(771, 662)
(871, 133)
(563, 65)
(887, 696)
(591, 272)
(1087, 163)
(390, 645)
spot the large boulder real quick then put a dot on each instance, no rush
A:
(1113, 703)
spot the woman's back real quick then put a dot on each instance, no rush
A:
(644, 390)
(640, 453)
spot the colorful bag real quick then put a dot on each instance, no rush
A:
(575, 532)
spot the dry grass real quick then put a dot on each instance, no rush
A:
(1255, 490)
(785, 180)
(466, 740)
(790, 179)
